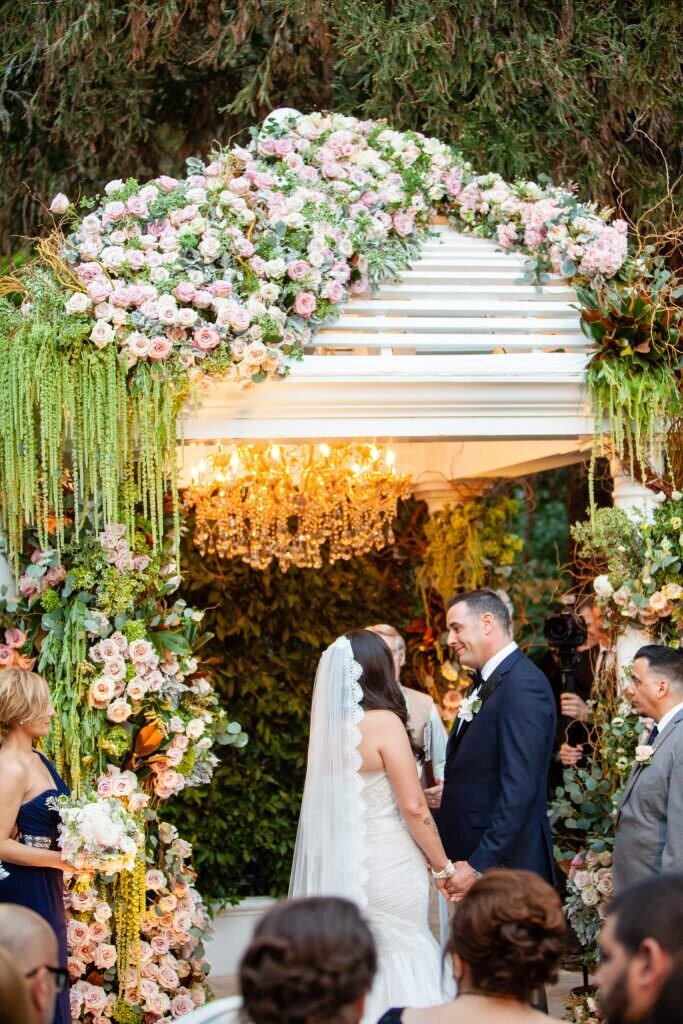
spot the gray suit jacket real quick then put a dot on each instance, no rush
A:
(649, 833)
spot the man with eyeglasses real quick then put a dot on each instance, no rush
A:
(29, 939)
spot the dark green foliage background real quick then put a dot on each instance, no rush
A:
(95, 89)
(270, 629)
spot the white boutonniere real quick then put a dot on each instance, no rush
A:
(644, 754)
(468, 708)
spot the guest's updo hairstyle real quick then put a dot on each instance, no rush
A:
(24, 697)
(309, 961)
(509, 930)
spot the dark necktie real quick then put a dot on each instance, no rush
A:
(653, 736)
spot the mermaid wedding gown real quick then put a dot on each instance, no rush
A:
(397, 908)
(353, 842)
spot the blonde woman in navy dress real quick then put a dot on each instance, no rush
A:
(32, 865)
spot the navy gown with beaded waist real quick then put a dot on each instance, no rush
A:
(41, 889)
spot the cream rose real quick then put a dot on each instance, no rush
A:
(119, 711)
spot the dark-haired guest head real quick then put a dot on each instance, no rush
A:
(656, 683)
(641, 937)
(507, 935)
(669, 1007)
(311, 961)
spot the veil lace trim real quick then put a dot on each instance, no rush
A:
(354, 714)
(331, 856)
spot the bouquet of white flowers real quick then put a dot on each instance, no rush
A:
(97, 834)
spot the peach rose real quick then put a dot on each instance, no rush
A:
(101, 692)
(105, 956)
(119, 711)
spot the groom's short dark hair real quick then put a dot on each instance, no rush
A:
(667, 660)
(481, 602)
(652, 909)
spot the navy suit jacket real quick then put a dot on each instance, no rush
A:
(494, 806)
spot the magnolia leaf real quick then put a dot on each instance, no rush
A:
(148, 740)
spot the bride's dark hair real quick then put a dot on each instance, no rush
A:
(381, 692)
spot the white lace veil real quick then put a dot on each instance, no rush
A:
(330, 855)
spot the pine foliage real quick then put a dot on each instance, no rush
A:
(584, 91)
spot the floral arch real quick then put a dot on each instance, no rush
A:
(133, 299)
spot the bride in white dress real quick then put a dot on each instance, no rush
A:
(365, 831)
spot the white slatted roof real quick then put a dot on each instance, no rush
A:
(462, 295)
(459, 349)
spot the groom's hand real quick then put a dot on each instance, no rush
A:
(433, 796)
(462, 879)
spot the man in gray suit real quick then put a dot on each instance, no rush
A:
(649, 833)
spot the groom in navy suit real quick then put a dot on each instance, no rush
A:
(493, 806)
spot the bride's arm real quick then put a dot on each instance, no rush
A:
(394, 748)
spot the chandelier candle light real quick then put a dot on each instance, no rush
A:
(287, 502)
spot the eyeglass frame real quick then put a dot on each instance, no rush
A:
(61, 975)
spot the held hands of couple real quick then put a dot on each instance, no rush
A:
(462, 879)
(455, 879)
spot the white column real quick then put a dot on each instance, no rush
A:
(636, 500)
(7, 588)
(437, 491)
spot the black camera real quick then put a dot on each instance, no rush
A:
(565, 633)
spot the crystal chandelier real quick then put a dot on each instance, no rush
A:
(288, 502)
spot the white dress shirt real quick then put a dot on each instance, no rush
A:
(488, 669)
(665, 719)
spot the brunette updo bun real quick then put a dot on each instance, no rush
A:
(309, 961)
(509, 930)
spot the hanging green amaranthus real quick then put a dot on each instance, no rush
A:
(70, 412)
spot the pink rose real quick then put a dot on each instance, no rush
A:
(203, 298)
(76, 932)
(298, 270)
(185, 291)
(101, 691)
(98, 931)
(140, 650)
(94, 997)
(181, 1005)
(6, 655)
(206, 338)
(105, 956)
(27, 586)
(105, 787)
(60, 204)
(137, 802)
(137, 206)
(98, 290)
(75, 966)
(119, 711)
(159, 348)
(55, 574)
(334, 291)
(168, 782)
(221, 288)
(305, 303)
(240, 319)
(136, 688)
(15, 637)
(166, 183)
(115, 210)
(168, 978)
(160, 944)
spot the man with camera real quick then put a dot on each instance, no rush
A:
(576, 657)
